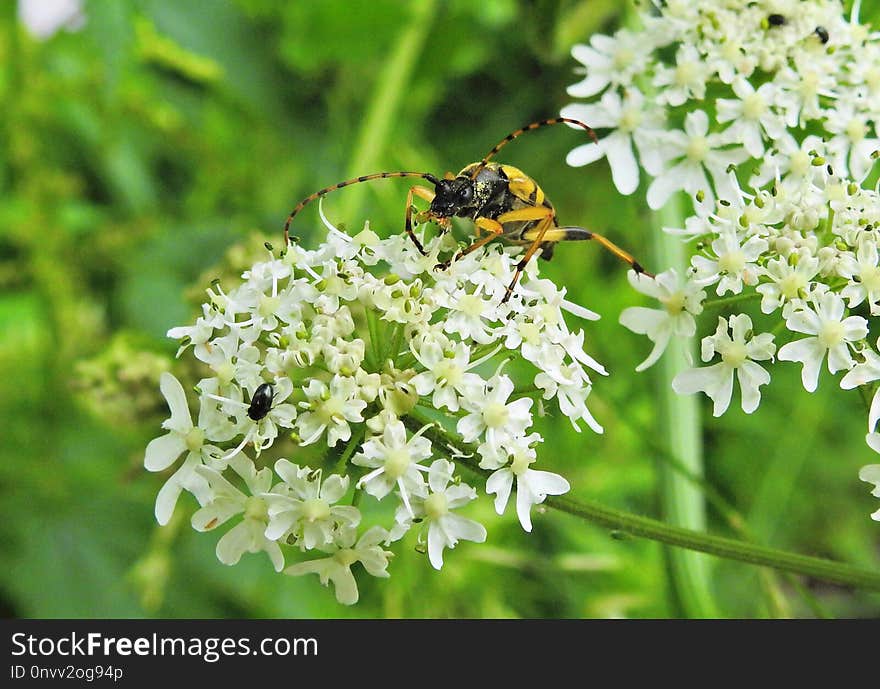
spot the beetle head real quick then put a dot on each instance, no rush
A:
(453, 197)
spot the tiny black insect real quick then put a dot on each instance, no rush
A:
(776, 20)
(261, 401)
(822, 33)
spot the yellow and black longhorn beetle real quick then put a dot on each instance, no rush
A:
(501, 200)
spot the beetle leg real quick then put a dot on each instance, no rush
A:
(495, 227)
(527, 213)
(574, 234)
(536, 244)
(422, 193)
(493, 230)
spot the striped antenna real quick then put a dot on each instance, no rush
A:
(529, 127)
(354, 180)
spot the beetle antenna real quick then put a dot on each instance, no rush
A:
(355, 180)
(530, 127)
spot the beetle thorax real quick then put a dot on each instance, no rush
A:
(486, 187)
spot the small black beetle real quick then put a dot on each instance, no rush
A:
(261, 401)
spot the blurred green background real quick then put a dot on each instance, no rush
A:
(144, 153)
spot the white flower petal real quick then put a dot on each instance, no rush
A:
(465, 529)
(874, 412)
(839, 358)
(235, 542)
(436, 543)
(334, 487)
(166, 501)
(163, 451)
(173, 392)
(624, 168)
(345, 585)
(751, 376)
(524, 502)
(215, 513)
(694, 380)
(584, 155)
(546, 483)
(722, 394)
(643, 320)
(663, 186)
(810, 353)
(273, 550)
(500, 483)
(870, 473)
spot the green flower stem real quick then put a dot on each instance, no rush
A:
(396, 341)
(646, 527)
(355, 441)
(374, 352)
(820, 568)
(727, 301)
(829, 225)
(682, 503)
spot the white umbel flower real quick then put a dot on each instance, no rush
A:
(796, 87)
(868, 371)
(444, 528)
(634, 127)
(863, 272)
(344, 554)
(532, 486)
(751, 115)
(182, 437)
(788, 280)
(681, 301)
(303, 506)
(446, 376)
(228, 501)
(734, 263)
(492, 414)
(822, 317)
(395, 462)
(689, 155)
(739, 350)
(331, 408)
(609, 60)
(687, 80)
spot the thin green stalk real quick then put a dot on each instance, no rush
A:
(820, 568)
(727, 301)
(828, 235)
(646, 527)
(387, 97)
(353, 444)
(374, 353)
(682, 504)
(396, 341)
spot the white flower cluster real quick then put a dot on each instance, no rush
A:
(766, 113)
(706, 85)
(359, 348)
